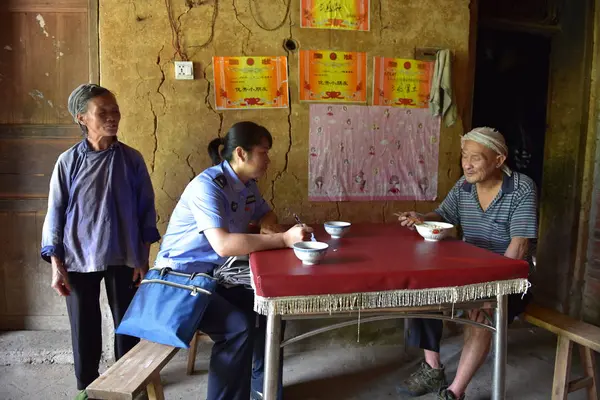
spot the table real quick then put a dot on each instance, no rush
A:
(383, 271)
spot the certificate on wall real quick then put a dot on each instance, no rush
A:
(400, 82)
(352, 15)
(333, 76)
(250, 82)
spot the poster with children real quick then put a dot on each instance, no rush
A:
(372, 153)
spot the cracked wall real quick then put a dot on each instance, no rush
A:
(171, 122)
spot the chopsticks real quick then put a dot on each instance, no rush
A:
(312, 235)
(415, 221)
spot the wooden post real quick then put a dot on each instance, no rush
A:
(562, 369)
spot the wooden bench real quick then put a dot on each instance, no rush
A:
(191, 363)
(569, 331)
(138, 369)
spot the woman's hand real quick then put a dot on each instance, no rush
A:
(297, 233)
(139, 274)
(270, 229)
(60, 277)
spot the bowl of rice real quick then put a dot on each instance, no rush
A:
(432, 231)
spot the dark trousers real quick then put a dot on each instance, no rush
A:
(83, 306)
(427, 333)
(231, 323)
(258, 365)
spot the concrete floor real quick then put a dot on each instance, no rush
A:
(333, 373)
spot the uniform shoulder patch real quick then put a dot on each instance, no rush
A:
(220, 180)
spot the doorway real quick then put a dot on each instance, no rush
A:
(511, 94)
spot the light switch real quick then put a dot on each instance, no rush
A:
(184, 70)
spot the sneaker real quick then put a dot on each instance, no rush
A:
(82, 395)
(445, 394)
(424, 380)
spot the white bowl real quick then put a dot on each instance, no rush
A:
(433, 231)
(310, 253)
(337, 229)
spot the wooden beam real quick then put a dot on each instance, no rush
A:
(45, 6)
(94, 39)
(589, 164)
(46, 9)
(580, 383)
(25, 131)
(467, 117)
(564, 158)
(588, 361)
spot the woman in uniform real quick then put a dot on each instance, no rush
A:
(209, 225)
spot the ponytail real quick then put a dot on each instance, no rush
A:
(213, 150)
(244, 134)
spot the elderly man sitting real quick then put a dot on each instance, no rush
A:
(497, 210)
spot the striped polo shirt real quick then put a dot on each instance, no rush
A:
(513, 213)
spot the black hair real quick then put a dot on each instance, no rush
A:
(244, 134)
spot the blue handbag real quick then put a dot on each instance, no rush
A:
(168, 307)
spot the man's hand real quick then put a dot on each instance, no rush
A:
(297, 233)
(409, 219)
(482, 315)
(60, 278)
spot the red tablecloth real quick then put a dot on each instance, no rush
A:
(379, 257)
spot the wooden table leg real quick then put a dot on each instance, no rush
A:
(155, 389)
(562, 369)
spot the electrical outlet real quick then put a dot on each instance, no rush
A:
(184, 70)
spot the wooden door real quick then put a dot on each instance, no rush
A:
(47, 48)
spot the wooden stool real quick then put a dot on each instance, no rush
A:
(569, 331)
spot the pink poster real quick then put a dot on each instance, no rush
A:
(361, 153)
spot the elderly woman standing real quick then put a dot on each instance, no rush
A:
(100, 224)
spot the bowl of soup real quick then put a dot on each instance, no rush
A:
(310, 253)
(337, 229)
(432, 231)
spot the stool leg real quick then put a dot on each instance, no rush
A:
(192, 354)
(588, 363)
(562, 369)
(155, 389)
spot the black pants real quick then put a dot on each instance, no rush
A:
(427, 333)
(231, 323)
(83, 306)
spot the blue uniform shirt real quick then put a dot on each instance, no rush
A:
(216, 198)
